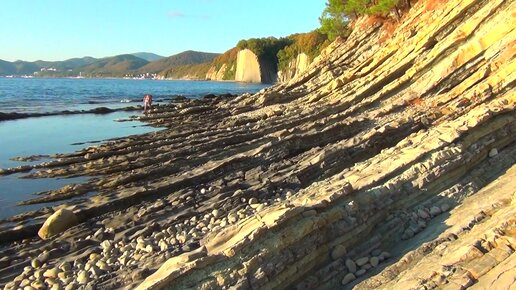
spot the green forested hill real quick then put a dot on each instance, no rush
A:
(188, 57)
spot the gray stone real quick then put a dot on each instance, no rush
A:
(384, 256)
(338, 252)
(350, 264)
(435, 210)
(360, 272)
(445, 207)
(362, 261)
(348, 278)
(423, 214)
(493, 152)
(374, 261)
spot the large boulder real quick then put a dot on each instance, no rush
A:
(58, 222)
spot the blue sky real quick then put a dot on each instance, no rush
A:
(62, 29)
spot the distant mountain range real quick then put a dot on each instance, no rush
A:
(120, 65)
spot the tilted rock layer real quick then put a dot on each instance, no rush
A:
(387, 164)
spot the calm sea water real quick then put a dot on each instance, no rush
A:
(57, 134)
(47, 95)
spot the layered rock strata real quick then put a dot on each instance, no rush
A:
(295, 67)
(388, 164)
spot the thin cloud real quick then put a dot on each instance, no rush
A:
(179, 14)
(176, 14)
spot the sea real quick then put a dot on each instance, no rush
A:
(30, 95)
(68, 133)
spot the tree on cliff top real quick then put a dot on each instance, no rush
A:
(334, 20)
(337, 13)
(265, 48)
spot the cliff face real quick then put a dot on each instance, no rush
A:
(295, 68)
(216, 75)
(250, 68)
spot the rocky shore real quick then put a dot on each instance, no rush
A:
(388, 164)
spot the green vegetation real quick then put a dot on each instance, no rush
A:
(337, 13)
(266, 49)
(189, 71)
(184, 58)
(334, 19)
(310, 43)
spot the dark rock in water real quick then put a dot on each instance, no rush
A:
(178, 98)
(219, 97)
(11, 116)
(101, 110)
(210, 96)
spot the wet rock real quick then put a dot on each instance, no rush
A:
(423, 214)
(374, 261)
(350, 264)
(348, 278)
(493, 152)
(362, 261)
(360, 272)
(435, 211)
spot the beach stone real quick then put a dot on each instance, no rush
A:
(444, 207)
(58, 222)
(435, 210)
(4, 262)
(362, 261)
(360, 272)
(338, 252)
(384, 256)
(106, 246)
(423, 214)
(348, 278)
(38, 285)
(29, 288)
(62, 275)
(103, 266)
(56, 287)
(24, 282)
(36, 263)
(493, 152)
(71, 286)
(253, 200)
(376, 252)
(232, 218)
(52, 273)
(83, 277)
(65, 266)
(350, 264)
(95, 271)
(374, 261)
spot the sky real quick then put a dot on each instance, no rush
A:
(61, 29)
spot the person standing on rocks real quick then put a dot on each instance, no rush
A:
(147, 103)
